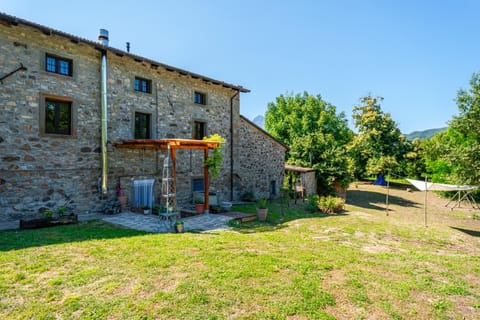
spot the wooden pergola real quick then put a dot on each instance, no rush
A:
(173, 145)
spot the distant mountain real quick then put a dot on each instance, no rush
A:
(423, 134)
(259, 121)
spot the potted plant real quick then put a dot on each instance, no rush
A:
(179, 226)
(199, 205)
(122, 198)
(262, 209)
(48, 213)
(214, 163)
(61, 211)
(50, 218)
(146, 210)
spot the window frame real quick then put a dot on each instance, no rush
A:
(198, 179)
(149, 126)
(194, 129)
(42, 116)
(203, 98)
(58, 60)
(148, 85)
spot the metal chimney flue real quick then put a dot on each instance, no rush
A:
(103, 37)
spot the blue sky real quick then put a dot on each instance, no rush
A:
(415, 54)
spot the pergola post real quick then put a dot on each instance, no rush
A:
(173, 156)
(206, 186)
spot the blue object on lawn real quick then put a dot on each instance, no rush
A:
(380, 181)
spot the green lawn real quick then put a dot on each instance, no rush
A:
(358, 265)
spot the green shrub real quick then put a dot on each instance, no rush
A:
(61, 211)
(48, 213)
(214, 163)
(331, 204)
(312, 203)
(262, 203)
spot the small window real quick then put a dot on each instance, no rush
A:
(199, 130)
(200, 98)
(198, 185)
(143, 85)
(58, 117)
(142, 125)
(58, 65)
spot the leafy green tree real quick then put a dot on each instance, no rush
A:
(466, 132)
(437, 166)
(414, 159)
(454, 156)
(316, 134)
(379, 144)
(380, 165)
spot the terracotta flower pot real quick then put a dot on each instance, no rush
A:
(200, 208)
(123, 201)
(179, 228)
(262, 214)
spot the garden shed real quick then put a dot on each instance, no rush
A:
(302, 179)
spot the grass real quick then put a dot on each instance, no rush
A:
(358, 265)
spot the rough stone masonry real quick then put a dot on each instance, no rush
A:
(40, 170)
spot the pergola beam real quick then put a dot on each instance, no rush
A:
(164, 143)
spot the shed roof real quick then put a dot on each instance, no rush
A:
(298, 169)
(6, 19)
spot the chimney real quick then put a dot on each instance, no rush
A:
(128, 46)
(103, 37)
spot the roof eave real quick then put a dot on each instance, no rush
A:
(287, 148)
(49, 31)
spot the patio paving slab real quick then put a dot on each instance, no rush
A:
(153, 223)
(150, 223)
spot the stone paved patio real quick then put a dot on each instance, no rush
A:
(152, 223)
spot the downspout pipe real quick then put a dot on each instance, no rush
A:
(103, 38)
(231, 143)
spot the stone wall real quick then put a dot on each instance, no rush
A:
(37, 170)
(261, 162)
(171, 105)
(43, 171)
(309, 182)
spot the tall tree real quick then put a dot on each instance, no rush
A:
(437, 167)
(315, 133)
(456, 153)
(414, 160)
(379, 144)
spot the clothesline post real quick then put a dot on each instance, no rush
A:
(388, 191)
(425, 204)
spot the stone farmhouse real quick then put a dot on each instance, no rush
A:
(70, 105)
